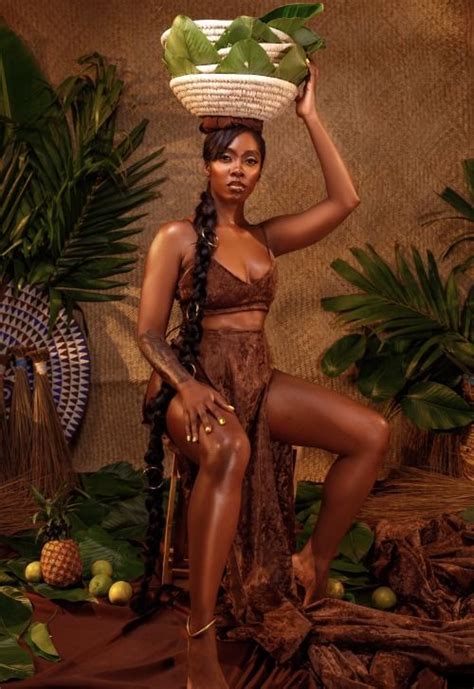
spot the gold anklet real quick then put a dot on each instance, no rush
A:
(199, 631)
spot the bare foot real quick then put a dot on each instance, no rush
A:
(204, 671)
(311, 575)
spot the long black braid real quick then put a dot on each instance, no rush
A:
(186, 348)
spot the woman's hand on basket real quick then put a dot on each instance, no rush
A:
(201, 403)
(306, 102)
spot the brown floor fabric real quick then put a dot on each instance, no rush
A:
(349, 647)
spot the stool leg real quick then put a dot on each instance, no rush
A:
(167, 572)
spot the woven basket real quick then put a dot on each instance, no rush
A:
(467, 446)
(240, 95)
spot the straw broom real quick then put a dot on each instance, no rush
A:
(467, 446)
(5, 468)
(51, 462)
(413, 493)
(17, 505)
(20, 423)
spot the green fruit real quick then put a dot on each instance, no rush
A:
(335, 588)
(120, 593)
(100, 585)
(33, 571)
(383, 598)
(101, 567)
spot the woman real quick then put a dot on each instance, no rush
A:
(234, 417)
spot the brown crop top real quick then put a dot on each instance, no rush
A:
(227, 293)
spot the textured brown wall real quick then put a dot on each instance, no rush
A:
(393, 94)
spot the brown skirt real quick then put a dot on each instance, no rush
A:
(259, 599)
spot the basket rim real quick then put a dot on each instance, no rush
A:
(258, 78)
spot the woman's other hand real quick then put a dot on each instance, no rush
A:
(306, 102)
(200, 401)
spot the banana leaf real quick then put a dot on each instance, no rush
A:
(187, 41)
(246, 57)
(308, 40)
(301, 11)
(292, 67)
(246, 27)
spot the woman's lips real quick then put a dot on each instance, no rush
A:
(237, 186)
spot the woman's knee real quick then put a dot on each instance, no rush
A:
(226, 456)
(375, 435)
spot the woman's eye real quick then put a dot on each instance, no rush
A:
(251, 160)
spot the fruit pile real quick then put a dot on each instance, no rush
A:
(101, 583)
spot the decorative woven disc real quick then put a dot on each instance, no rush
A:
(24, 321)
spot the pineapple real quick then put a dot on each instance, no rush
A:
(60, 559)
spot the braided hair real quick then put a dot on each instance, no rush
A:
(186, 347)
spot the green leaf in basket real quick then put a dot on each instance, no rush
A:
(246, 27)
(39, 640)
(246, 57)
(357, 542)
(292, 66)
(187, 41)
(308, 40)
(178, 66)
(293, 15)
(15, 663)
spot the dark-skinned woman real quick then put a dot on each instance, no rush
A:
(232, 416)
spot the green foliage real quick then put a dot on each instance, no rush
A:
(246, 57)
(463, 206)
(188, 46)
(246, 27)
(39, 640)
(416, 336)
(67, 193)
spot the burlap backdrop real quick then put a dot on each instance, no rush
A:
(393, 94)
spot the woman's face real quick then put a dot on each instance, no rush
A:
(239, 163)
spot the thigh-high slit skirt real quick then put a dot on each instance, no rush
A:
(259, 599)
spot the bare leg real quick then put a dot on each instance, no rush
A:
(310, 415)
(213, 515)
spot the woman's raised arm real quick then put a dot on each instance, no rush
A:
(295, 231)
(160, 277)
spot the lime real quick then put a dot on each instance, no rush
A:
(100, 585)
(335, 588)
(33, 571)
(120, 593)
(383, 598)
(101, 567)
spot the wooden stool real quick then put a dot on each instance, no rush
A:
(175, 560)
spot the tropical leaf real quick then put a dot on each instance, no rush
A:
(15, 611)
(356, 543)
(186, 40)
(344, 352)
(39, 640)
(246, 27)
(292, 67)
(435, 406)
(382, 377)
(299, 10)
(246, 57)
(15, 662)
(64, 204)
(98, 544)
